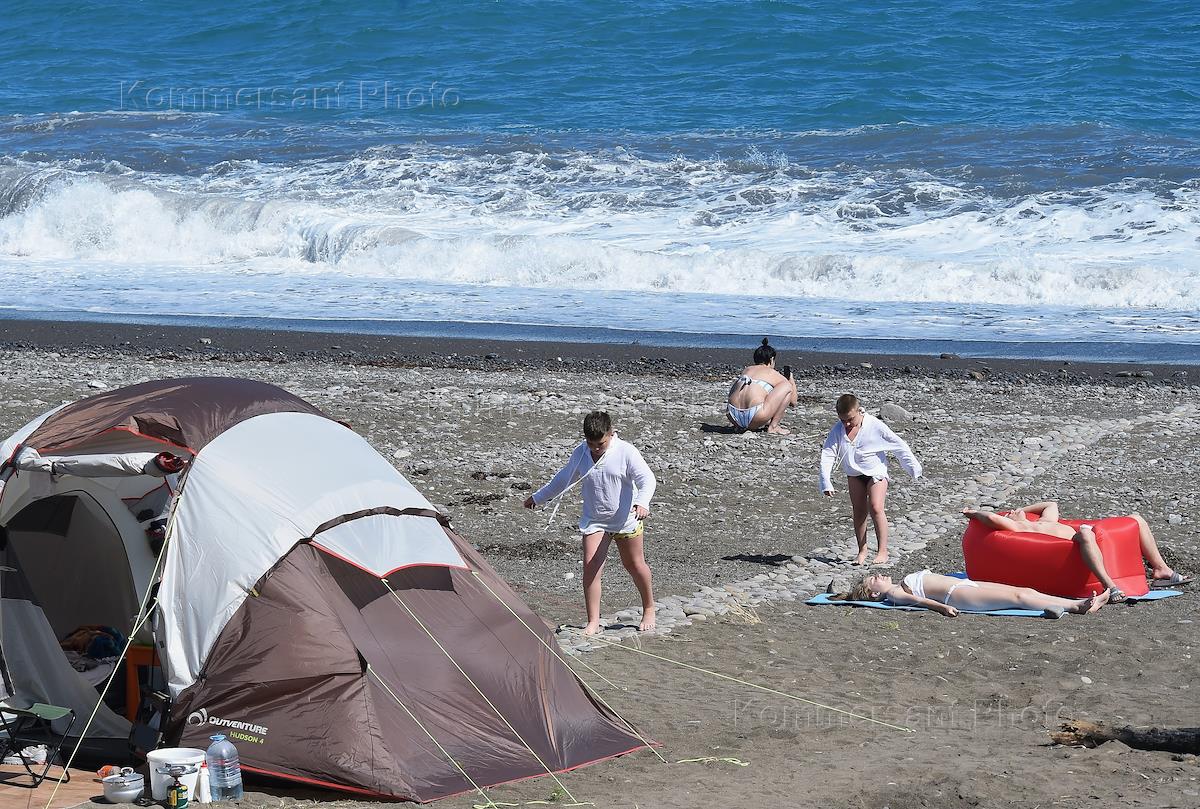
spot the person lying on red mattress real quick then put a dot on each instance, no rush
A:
(1042, 518)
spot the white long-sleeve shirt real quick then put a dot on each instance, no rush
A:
(867, 453)
(621, 480)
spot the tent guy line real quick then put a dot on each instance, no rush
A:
(503, 718)
(755, 685)
(143, 616)
(558, 653)
(421, 725)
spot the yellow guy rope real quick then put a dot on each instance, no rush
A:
(446, 753)
(558, 653)
(143, 614)
(753, 685)
(413, 615)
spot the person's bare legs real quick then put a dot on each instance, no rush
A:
(781, 397)
(634, 558)
(860, 509)
(995, 596)
(595, 551)
(1159, 569)
(1085, 541)
(876, 497)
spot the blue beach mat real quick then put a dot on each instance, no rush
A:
(1155, 595)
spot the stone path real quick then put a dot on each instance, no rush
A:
(806, 575)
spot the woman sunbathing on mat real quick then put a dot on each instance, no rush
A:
(1042, 518)
(948, 595)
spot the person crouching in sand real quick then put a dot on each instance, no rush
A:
(861, 442)
(617, 487)
(759, 396)
(947, 595)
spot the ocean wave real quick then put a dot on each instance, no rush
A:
(613, 220)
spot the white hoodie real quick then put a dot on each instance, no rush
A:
(620, 480)
(867, 453)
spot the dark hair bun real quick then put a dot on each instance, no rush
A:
(764, 341)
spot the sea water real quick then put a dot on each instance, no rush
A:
(1015, 172)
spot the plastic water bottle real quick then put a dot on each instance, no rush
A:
(224, 772)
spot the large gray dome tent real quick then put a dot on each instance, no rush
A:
(310, 601)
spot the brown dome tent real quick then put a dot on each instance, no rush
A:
(311, 603)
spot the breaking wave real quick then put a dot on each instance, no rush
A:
(612, 219)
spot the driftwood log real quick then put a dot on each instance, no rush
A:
(1078, 732)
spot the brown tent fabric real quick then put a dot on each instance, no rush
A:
(288, 681)
(186, 413)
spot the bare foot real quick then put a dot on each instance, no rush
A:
(1089, 605)
(779, 431)
(592, 628)
(647, 623)
(862, 557)
(969, 512)
(881, 558)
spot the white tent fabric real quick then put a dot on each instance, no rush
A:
(384, 543)
(41, 673)
(251, 494)
(123, 464)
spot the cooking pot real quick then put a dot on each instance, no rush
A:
(124, 787)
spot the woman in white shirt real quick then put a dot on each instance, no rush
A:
(617, 487)
(861, 443)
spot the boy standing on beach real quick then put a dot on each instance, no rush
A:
(617, 487)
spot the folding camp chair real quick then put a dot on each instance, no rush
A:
(26, 727)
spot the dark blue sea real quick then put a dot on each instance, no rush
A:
(1010, 173)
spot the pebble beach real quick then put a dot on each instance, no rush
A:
(739, 537)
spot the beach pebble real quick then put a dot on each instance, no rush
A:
(1085, 679)
(569, 575)
(892, 412)
(96, 384)
(1175, 519)
(402, 453)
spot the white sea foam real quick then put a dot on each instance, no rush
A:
(610, 220)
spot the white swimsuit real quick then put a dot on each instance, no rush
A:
(915, 582)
